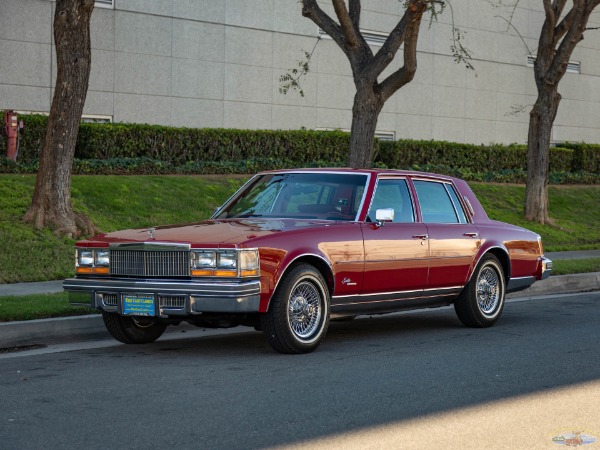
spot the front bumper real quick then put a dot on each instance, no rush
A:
(171, 298)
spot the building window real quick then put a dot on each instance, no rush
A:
(381, 135)
(572, 67)
(105, 3)
(385, 135)
(90, 118)
(372, 37)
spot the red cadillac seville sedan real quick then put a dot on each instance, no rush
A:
(293, 249)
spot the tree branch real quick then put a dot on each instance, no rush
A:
(355, 13)
(346, 36)
(385, 55)
(350, 32)
(311, 9)
(406, 73)
(564, 25)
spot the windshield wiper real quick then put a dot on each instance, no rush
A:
(245, 216)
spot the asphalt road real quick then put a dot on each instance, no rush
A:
(415, 380)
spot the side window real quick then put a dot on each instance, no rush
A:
(435, 201)
(456, 202)
(393, 194)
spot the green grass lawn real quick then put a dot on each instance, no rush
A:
(568, 266)
(41, 306)
(118, 202)
(113, 203)
(574, 209)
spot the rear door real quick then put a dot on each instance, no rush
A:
(453, 240)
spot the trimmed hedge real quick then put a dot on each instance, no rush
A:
(147, 166)
(153, 149)
(477, 158)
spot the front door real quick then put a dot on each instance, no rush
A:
(396, 253)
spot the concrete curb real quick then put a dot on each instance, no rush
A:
(562, 284)
(44, 331)
(81, 328)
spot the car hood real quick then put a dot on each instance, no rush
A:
(208, 233)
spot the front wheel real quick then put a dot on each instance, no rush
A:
(133, 330)
(298, 316)
(482, 300)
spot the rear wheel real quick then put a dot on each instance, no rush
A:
(298, 316)
(132, 329)
(482, 300)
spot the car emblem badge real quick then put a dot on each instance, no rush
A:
(151, 232)
(348, 282)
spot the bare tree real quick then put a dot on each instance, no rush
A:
(371, 94)
(561, 32)
(51, 203)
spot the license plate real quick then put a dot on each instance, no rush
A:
(138, 305)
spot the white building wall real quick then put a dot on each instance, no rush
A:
(217, 63)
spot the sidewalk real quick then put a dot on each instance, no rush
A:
(579, 254)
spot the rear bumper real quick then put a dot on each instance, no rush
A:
(171, 298)
(545, 268)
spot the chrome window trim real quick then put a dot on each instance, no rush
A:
(451, 186)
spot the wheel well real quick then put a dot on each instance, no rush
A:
(320, 265)
(504, 261)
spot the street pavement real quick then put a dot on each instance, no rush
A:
(416, 380)
(79, 328)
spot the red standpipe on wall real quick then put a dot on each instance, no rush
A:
(12, 134)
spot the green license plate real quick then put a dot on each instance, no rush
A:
(138, 305)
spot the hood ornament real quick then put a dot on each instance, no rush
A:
(151, 232)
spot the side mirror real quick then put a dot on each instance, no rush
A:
(384, 215)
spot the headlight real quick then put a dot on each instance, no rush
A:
(85, 258)
(225, 263)
(227, 260)
(102, 258)
(89, 260)
(204, 259)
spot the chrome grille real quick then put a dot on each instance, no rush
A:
(110, 299)
(143, 263)
(172, 301)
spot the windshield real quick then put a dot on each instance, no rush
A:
(322, 195)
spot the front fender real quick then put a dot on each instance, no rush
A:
(275, 269)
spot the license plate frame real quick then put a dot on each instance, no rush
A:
(139, 305)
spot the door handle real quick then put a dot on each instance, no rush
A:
(421, 236)
(472, 235)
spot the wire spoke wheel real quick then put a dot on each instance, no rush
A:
(488, 291)
(481, 302)
(304, 312)
(298, 315)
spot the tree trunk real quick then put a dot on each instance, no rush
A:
(51, 203)
(365, 112)
(538, 155)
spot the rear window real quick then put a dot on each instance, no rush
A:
(439, 202)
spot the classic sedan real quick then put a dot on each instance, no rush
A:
(292, 249)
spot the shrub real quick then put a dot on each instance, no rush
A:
(153, 149)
